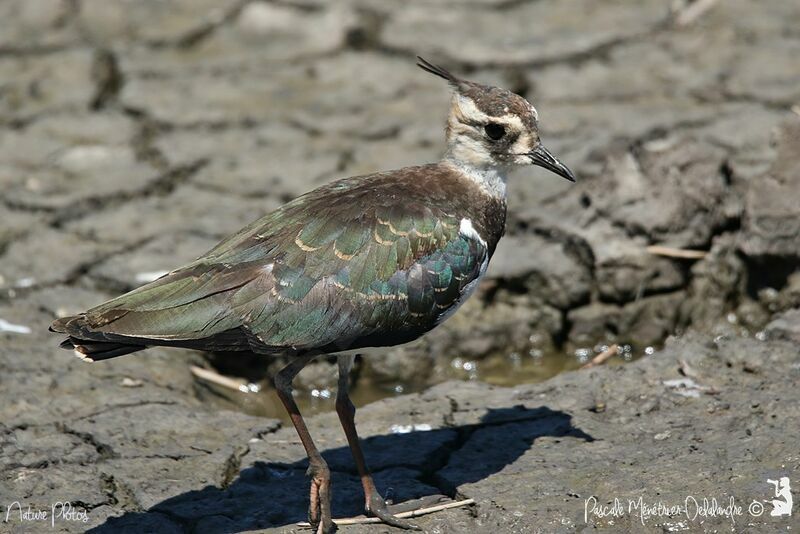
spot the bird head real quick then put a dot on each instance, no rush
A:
(490, 127)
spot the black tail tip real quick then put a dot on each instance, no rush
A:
(92, 351)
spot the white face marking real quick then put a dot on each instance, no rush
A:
(523, 145)
(511, 120)
(472, 155)
(469, 109)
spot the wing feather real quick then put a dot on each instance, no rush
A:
(319, 272)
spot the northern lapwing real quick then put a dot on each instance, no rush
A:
(368, 261)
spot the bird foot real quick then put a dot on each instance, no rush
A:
(376, 506)
(322, 529)
(319, 508)
(322, 526)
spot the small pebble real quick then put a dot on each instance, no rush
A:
(128, 382)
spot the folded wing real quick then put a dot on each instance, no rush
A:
(328, 271)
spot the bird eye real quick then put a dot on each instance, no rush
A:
(494, 131)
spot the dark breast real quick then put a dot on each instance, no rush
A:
(442, 276)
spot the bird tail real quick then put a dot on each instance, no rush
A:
(90, 346)
(92, 351)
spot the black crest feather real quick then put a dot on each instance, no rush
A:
(436, 70)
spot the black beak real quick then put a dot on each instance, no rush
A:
(543, 158)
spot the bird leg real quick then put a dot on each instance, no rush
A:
(374, 503)
(319, 508)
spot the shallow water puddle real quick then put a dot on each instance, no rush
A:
(499, 369)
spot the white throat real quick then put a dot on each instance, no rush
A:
(491, 180)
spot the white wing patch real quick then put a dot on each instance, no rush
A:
(467, 230)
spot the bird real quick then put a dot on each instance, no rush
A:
(366, 261)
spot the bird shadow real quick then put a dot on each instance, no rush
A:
(407, 466)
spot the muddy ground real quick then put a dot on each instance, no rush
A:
(134, 135)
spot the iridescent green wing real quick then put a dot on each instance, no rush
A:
(328, 270)
(195, 302)
(352, 274)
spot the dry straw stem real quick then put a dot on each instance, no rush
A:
(601, 358)
(401, 515)
(216, 378)
(684, 253)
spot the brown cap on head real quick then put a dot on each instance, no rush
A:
(493, 101)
